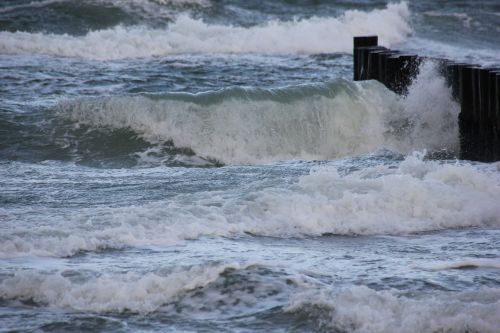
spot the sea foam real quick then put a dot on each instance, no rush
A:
(417, 196)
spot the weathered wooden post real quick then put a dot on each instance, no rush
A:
(382, 64)
(409, 70)
(466, 123)
(392, 63)
(359, 42)
(486, 134)
(373, 63)
(453, 78)
(494, 108)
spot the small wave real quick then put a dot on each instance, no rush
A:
(142, 293)
(206, 290)
(189, 35)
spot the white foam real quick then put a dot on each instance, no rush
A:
(360, 309)
(189, 35)
(417, 196)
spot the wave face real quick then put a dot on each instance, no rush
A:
(248, 126)
(190, 35)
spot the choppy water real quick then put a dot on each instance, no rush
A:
(209, 166)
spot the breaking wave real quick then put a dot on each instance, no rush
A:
(248, 126)
(189, 35)
(215, 291)
(361, 309)
(417, 196)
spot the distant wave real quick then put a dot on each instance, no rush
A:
(190, 35)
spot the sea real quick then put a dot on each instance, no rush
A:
(211, 166)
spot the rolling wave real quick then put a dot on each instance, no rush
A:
(361, 309)
(248, 126)
(238, 125)
(215, 291)
(416, 196)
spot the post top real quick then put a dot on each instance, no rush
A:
(365, 41)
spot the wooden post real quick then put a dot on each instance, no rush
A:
(392, 64)
(497, 100)
(485, 125)
(373, 63)
(362, 41)
(466, 117)
(453, 78)
(495, 112)
(409, 69)
(492, 84)
(382, 63)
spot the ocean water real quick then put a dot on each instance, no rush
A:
(210, 166)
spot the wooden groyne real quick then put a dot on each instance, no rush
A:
(475, 88)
